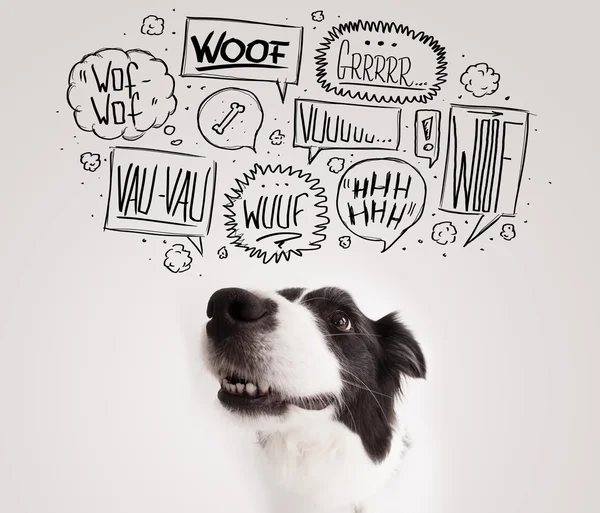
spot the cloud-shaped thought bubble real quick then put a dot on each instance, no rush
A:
(336, 164)
(345, 242)
(380, 199)
(508, 231)
(381, 62)
(444, 233)
(277, 138)
(178, 259)
(153, 25)
(276, 212)
(116, 93)
(91, 161)
(230, 119)
(480, 80)
(317, 16)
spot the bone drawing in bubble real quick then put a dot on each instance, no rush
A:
(235, 109)
(235, 117)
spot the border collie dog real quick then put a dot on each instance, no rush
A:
(320, 383)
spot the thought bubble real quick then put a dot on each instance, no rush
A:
(380, 199)
(480, 80)
(317, 16)
(169, 130)
(116, 93)
(336, 164)
(178, 259)
(381, 62)
(153, 25)
(230, 119)
(444, 233)
(345, 241)
(161, 193)
(484, 163)
(242, 50)
(508, 231)
(277, 138)
(222, 253)
(343, 126)
(91, 161)
(276, 212)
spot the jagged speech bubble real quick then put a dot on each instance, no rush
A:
(276, 212)
(381, 62)
(380, 199)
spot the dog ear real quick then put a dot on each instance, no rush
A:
(403, 354)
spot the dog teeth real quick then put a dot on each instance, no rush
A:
(245, 387)
(251, 389)
(263, 387)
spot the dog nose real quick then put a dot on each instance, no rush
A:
(231, 310)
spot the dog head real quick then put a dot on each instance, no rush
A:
(287, 352)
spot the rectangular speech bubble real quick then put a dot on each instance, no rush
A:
(158, 192)
(427, 135)
(484, 163)
(242, 50)
(320, 125)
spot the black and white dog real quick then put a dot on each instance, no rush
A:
(319, 382)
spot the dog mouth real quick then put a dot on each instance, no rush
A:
(244, 394)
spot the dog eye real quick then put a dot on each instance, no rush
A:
(340, 321)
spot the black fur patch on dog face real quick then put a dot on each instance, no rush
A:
(374, 357)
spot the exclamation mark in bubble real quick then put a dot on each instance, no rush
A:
(426, 123)
(427, 135)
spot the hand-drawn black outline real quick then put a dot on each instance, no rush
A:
(281, 86)
(314, 150)
(345, 241)
(317, 16)
(78, 108)
(277, 137)
(438, 238)
(169, 130)
(331, 164)
(318, 231)
(148, 27)
(196, 239)
(386, 245)
(482, 69)
(421, 149)
(222, 253)
(179, 249)
(85, 159)
(487, 216)
(382, 27)
(508, 231)
(229, 117)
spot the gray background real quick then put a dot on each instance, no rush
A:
(104, 406)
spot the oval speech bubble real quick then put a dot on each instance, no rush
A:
(230, 119)
(380, 199)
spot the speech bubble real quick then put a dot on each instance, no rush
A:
(161, 193)
(484, 163)
(116, 93)
(276, 212)
(343, 126)
(242, 50)
(380, 199)
(427, 135)
(230, 119)
(381, 62)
